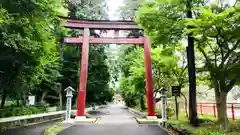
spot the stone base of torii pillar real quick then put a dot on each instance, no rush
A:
(84, 119)
(81, 119)
(149, 120)
(70, 121)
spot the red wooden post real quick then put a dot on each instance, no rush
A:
(201, 109)
(233, 112)
(214, 110)
(148, 70)
(106, 40)
(83, 74)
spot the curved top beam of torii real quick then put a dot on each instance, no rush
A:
(101, 24)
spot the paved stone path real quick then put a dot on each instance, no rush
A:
(115, 120)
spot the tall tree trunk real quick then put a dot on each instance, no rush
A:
(38, 98)
(142, 103)
(4, 96)
(221, 100)
(216, 92)
(60, 100)
(24, 100)
(18, 102)
(185, 104)
(43, 97)
(193, 117)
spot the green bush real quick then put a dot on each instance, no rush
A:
(207, 126)
(18, 111)
(41, 105)
(170, 112)
(207, 131)
(53, 130)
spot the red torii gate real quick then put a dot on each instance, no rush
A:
(85, 40)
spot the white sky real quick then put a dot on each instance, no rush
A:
(113, 6)
(230, 2)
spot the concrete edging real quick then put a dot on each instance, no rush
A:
(48, 131)
(40, 115)
(139, 113)
(55, 116)
(165, 129)
(136, 112)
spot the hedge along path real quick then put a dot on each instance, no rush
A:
(35, 119)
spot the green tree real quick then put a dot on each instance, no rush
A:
(213, 29)
(114, 65)
(129, 92)
(215, 32)
(166, 72)
(28, 45)
(98, 91)
(162, 20)
(129, 96)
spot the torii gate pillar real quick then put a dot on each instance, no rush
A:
(81, 101)
(148, 72)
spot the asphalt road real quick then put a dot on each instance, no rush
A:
(115, 120)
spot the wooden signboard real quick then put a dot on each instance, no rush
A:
(176, 90)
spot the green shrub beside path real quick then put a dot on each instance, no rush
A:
(55, 129)
(19, 111)
(208, 126)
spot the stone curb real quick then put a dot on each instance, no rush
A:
(136, 112)
(165, 129)
(46, 132)
(139, 114)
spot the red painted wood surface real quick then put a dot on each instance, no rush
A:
(83, 75)
(233, 112)
(86, 40)
(148, 72)
(214, 110)
(201, 109)
(101, 24)
(92, 40)
(233, 109)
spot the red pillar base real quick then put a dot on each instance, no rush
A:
(81, 103)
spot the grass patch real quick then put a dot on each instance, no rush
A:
(53, 130)
(138, 107)
(207, 126)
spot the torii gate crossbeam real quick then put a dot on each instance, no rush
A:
(86, 39)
